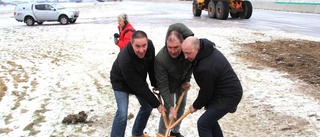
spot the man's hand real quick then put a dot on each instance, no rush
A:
(161, 108)
(173, 113)
(185, 85)
(192, 109)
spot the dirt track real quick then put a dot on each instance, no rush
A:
(300, 58)
(297, 58)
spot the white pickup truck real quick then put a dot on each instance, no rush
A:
(30, 13)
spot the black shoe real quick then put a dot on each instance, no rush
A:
(176, 134)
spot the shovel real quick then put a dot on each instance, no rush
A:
(171, 125)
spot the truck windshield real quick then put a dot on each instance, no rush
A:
(58, 7)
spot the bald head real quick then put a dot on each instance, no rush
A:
(190, 47)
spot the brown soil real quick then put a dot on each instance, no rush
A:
(3, 88)
(75, 118)
(299, 58)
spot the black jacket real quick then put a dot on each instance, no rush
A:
(129, 73)
(219, 85)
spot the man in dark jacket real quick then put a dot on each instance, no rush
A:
(173, 74)
(220, 89)
(128, 76)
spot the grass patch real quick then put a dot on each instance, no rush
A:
(3, 89)
(5, 130)
(7, 119)
(40, 118)
(20, 96)
(31, 128)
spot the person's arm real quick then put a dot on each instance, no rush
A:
(138, 84)
(206, 82)
(151, 56)
(163, 83)
(125, 39)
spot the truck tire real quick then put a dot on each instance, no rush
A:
(211, 10)
(247, 10)
(29, 21)
(195, 9)
(222, 10)
(63, 20)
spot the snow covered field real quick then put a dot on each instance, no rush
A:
(52, 70)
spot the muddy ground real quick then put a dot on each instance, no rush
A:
(297, 58)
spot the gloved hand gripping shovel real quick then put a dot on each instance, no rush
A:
(169, 124)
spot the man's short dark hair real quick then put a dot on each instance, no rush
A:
(138, 34)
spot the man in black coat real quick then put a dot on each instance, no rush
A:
(220, 89)
(128, 76)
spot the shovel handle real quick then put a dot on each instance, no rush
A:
(165, 119)
(175, 123)
(179, 103)
(180, 119)
(171, 125)
(180, 99)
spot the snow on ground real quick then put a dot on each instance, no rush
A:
(54, 70)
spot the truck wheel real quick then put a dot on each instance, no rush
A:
(234, 15)
(211, 10)
(29, 21)
(247, 10)
(222, 10)
(63, 20)
(195, 9)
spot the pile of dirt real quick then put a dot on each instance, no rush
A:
(299, 58)
(3, 88)
(75, 118)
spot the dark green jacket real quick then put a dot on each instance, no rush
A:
(172, 72)
(183, 29)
